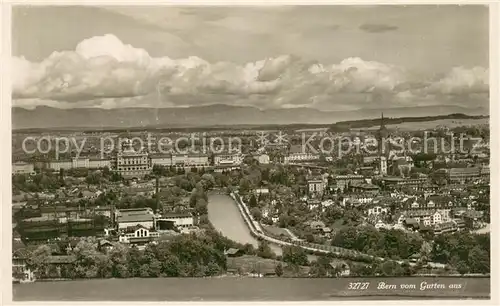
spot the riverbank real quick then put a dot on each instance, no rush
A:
(244, 289)
(224, 215)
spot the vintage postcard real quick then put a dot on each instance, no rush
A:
(256, 153)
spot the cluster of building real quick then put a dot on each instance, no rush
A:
(140, 226)
(131, 163)
(407, 202)
(132, 226)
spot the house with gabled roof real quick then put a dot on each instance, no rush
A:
(138, 234)
(20, 270)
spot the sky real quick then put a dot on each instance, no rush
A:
(323, 57)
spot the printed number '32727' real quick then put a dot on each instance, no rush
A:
(358, 286)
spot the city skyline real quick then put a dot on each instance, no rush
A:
(259, 153)
(342, 58)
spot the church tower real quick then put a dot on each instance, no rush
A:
(382, 137)
(383, 147)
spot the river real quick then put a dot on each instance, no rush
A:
(237, 289)
(226, 218)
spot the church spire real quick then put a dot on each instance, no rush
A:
(382, 135)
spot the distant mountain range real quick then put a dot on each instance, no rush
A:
(213, 115)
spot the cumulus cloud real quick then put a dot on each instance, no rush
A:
(105, 72)
(461, 80)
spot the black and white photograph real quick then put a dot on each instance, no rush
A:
(250, 153)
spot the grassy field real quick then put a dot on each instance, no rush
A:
(248, 264)
(276, 231)
(253, 264)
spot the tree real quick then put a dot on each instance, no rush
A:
(38, 261)
(256, 213)
(407, 270)
(155, 268)
(104, 266)
(61, 176)
(116, 177)
(264, 250)
(479, 260)
(119, 261)
(144, 270)
(295, 256)
(212, 269)
(133, 260)
(244, 186)
(93, 178)
(279, 269)
(248, 249)
(284, 220)
(171, 266)
(320, 267)
(426, 249)
(89, 262)
(253, 201)
(209, 180)
(462, 267)
(201, 207)
(390, 268)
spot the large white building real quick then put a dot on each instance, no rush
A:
(164, 160)
(228, 159)
(138, 235)
(429, 217)
(383, 165)
(297, 153)
(180, 219)
(180, 160)
(57, 165)
(22, 168)
(190, 160)
(316, 186)
(132, 164)
(263, 159)
(79, 162)
(97, 163)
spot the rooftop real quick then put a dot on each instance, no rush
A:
(366, 186)
(135, 215)
(21, 253)
(177, 215)
(232, 251)
(20, 163)
(469, 170)
(411, 221)
(317, 224)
